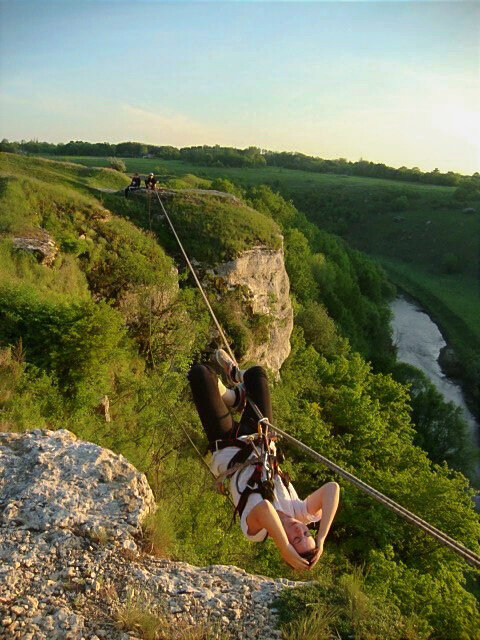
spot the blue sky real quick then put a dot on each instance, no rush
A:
(393, 82)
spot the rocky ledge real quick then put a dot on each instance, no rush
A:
(259, 275)
(189, 194)
(40, 244)
(71, 564)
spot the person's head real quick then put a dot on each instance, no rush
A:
(299, 537)
(151, 175)
(135, 175)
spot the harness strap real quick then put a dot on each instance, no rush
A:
(241, 456)
(217, 445)
(241, 460)
(253, 486)
(237, 467)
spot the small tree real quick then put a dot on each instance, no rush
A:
(117, 164)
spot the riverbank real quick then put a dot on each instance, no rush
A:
(461, 360)
(420, 343)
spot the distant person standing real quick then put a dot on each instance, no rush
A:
(135, 184)
(151, 182)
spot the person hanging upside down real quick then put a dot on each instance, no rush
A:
(264, 498)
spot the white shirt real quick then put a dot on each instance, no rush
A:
(285, 500)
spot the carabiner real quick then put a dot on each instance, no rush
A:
(260, 423)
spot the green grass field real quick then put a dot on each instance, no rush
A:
(294, 179)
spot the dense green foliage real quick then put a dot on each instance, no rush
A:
(118, 164)
(440, 428)
(113, 317)
(323, 270)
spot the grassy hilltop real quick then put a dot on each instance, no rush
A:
(115, 314)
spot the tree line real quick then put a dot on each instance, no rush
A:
(251, 157)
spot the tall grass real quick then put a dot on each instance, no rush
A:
(316, 625)
(144, 617)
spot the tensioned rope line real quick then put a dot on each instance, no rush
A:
(199, 285)
(449, 542)
(470, 556)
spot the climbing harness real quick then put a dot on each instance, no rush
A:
(470, 556)
(257, 451)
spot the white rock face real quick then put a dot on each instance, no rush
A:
(40, 243)
(49, 479)
(70, 559)
(261, 274)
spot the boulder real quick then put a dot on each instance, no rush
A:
(49, 479)
(40, 243)
(71, 564)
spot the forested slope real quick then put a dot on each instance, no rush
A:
(116, 315)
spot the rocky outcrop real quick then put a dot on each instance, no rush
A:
(260, 276)
(166, 194)
(40, 243)
(259, 279)
(51, 480)
(71, 564)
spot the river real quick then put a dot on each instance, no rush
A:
(419, 341)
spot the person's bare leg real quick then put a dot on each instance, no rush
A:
(228, 395)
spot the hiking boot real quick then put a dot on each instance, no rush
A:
(232, 373)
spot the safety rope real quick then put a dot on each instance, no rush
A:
(470, 556)
(230, 352)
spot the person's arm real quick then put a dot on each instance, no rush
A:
(323, 503)
(264, 516)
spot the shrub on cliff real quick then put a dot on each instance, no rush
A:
(118, 164)
(77, 342)
(216, 231)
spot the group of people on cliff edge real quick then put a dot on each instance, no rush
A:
(150, 183)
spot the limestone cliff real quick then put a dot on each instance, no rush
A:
(71, 564)
(259, 276)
